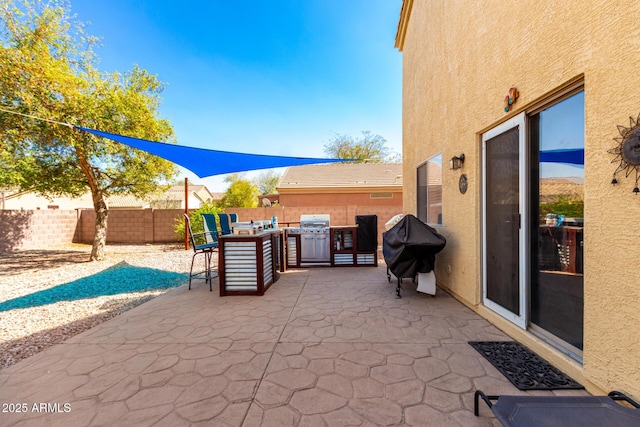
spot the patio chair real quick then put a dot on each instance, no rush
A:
(225, 227)
(233, 217)
(566, 411)
(203, 243)
(210, 228)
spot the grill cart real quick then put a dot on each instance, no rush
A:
(409, 248)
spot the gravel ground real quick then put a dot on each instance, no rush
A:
(35, 281)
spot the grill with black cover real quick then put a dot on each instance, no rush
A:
(410, 247)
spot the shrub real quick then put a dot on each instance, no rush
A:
(570, 208)
(195, 216)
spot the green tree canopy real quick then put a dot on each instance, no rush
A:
(47, 70)
(240, 194)
(367, 149)
(195, 218)
(267, 182)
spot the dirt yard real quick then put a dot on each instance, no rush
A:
(50, 295)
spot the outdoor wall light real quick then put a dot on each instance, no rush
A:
(456, 162)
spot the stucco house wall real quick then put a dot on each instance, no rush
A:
(459, 60)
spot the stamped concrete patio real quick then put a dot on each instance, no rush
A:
(323, 347)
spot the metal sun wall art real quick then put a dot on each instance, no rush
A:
(627, 152)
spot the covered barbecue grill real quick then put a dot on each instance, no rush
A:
(410, 247)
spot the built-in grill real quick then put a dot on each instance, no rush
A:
(314, 239)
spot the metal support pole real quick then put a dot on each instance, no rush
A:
(186, 211)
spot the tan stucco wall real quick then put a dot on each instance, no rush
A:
(460, 58)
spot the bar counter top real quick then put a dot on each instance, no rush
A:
(261, 233)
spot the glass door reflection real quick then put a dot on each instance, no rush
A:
(557, 179)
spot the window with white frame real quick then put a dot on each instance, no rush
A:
(429, 190)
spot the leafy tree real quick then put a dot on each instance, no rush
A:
(267, 182)
(240, 194)
(563, 205)
(47, 70)
(367, 149)
(195, 217)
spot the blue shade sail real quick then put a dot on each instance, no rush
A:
(204, 162)
(571, 156)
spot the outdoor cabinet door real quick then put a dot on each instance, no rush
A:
(307, 247)
(293, 250)
(322, 247)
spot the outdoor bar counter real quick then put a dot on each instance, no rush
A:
(249, 264)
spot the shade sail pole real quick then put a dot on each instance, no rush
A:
(186, 211)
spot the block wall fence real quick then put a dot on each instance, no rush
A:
(34, 229)
(26, 229)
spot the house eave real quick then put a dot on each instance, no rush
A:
(405, 13)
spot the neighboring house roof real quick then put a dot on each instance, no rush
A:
(13, 199)
(172, 198)
(216, 197)
(126, 201)
(201, 191)
(434, 174)
(341, 176)
(31, 201)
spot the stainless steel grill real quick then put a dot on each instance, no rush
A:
(315, 221)
(314, 239)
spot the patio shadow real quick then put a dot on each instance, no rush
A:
(15, 225)
(18, 262)
(15, 350)
(121, 278)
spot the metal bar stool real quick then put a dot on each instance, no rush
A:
(203, 243)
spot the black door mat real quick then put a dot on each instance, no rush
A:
(525, 369)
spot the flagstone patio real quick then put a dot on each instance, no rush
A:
(322, 347)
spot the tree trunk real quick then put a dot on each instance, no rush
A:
(100, 238)
(99, 205)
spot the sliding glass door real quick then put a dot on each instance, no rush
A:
(557, 180)
(533, 222)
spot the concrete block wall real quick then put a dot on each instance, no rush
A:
(86, 225)
(133, 225)
(128, 226)
(163, 223)
(31, 229)
(340, 215)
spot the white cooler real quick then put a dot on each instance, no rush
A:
(427, 283)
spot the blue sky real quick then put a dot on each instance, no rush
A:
(275, 77)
